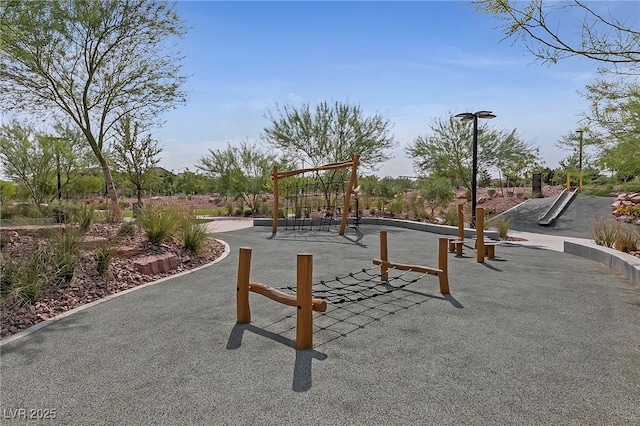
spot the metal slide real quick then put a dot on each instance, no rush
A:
(558, 207)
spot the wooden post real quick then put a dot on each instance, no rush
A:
(274, 176)
(480, 234)
(460, 222)
(384, 256)
(347, 196)
(444, 265)
(242, 300)
(304, 325)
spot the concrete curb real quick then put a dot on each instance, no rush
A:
(622, 263)
(399, 223)
(81, 308)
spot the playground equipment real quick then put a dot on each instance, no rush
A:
(456, 243)
(558, 207)
(314, 201)
(352, 287)
(579, 175)
(441, 272)
(484, 248)
(303, 299)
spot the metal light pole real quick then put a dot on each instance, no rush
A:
(580, 160)
(465, 116)
(581, 131)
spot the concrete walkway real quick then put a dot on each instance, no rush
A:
(533, 337)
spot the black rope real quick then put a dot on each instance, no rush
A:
(312, 202)
(358, 286)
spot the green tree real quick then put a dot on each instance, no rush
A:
(8, 191)
(330, 134)
(92, 61)
(135, 157)
(436, 192)
(448, 150)
(549, 30)
(41, 163)
(244, 169)
(193, 183)
(86, 184)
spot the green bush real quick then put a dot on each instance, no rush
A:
(66, 254)
(84, 216)
(193, 235)
(6, 212)
(159, 223)
(23, 278)
(451, 216)
(626, 241)
(502, 226)
(396, 206)
(104, 256)
(127, 228)
(605, 231)
(29, 210)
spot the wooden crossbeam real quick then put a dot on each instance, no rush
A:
(332, 166)
(442, 271)
(404, 267)
(276, 295)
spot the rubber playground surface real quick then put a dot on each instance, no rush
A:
(532, 337)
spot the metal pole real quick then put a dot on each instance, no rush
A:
(580, 161)
(474, 182)
(58, 170)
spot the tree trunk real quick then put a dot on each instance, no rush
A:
(116, 214)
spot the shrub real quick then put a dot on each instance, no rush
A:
(84, 216)
(23, 278)
(158, 223)
(626, 241)
(29, 210)
(451, 216)
(395, 207)
(491, 192)
(193, 235)
(4, 240)
(104, 256)
(127, 228)
(6, 213)
(605, 231)
(502, 226)
(633, 211)
(66, 254)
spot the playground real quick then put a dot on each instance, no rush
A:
(532, 336)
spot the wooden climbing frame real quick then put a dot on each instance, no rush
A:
(441, 272)
(303, 298)
(353, 182)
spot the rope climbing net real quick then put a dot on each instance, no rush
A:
(313, 202)
(362, 285)
(316, 198)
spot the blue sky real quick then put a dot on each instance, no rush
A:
(408, 61)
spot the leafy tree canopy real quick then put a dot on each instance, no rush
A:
(553, 30)
(447, 151)
(92, 62)
(329, 134)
